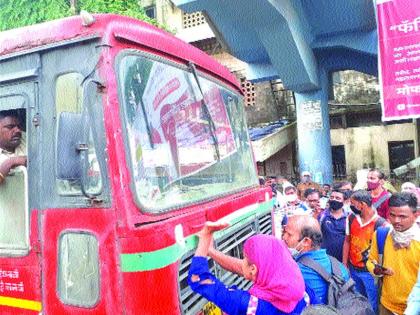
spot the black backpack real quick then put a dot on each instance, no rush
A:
(342, 294)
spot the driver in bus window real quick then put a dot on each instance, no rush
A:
(12, 143)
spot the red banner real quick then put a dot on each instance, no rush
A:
(399, 57)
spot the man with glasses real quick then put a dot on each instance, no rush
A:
(312, 201)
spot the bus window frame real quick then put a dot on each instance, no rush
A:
(59, 268)
(50, 71)
(100, 151)
(184, 67)
(15, 251)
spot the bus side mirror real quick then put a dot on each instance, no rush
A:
(70, 140)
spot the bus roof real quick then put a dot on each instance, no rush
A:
(109, 26)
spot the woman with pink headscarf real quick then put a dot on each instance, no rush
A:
(278, 286)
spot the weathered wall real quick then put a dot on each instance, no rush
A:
(264, 110)
(365, 146)
(280, 163)
(260, 105)
(233, 64)
(166, 13)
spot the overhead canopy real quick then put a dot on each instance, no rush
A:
(290, 39)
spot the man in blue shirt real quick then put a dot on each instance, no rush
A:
(333, 225)
(303, 236)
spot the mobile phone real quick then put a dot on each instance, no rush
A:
(379, 269)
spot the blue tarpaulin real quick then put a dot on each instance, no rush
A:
(260, 132)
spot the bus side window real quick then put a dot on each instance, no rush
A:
(69, 99)
(78, 274)
(13, 181)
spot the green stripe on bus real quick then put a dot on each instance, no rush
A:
(157, 259)
(146, 261)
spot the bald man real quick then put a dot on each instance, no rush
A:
(303, 236)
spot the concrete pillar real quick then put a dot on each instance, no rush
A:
(313, 126)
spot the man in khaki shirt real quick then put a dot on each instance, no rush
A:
(305, 184)
(12, 144)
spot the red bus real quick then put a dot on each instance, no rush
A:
(134, 139)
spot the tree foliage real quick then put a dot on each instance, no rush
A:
(17, 13)
(123, 7)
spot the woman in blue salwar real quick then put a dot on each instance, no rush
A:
(278, 287)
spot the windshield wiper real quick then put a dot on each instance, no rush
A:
(204, 106)
(146, 121)
(138, 79)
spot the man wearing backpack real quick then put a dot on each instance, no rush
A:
(380, 196)
(360, 227)
(303, 236)
(323, 274)
(395, 254)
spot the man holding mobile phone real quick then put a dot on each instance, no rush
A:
(401, 254)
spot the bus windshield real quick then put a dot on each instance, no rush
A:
(186, 135)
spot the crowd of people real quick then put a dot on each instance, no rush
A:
(368, 239)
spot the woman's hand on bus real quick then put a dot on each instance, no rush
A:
(206, 236)
(211, 227)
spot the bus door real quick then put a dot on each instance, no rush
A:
(19, 245)
(78, 226)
